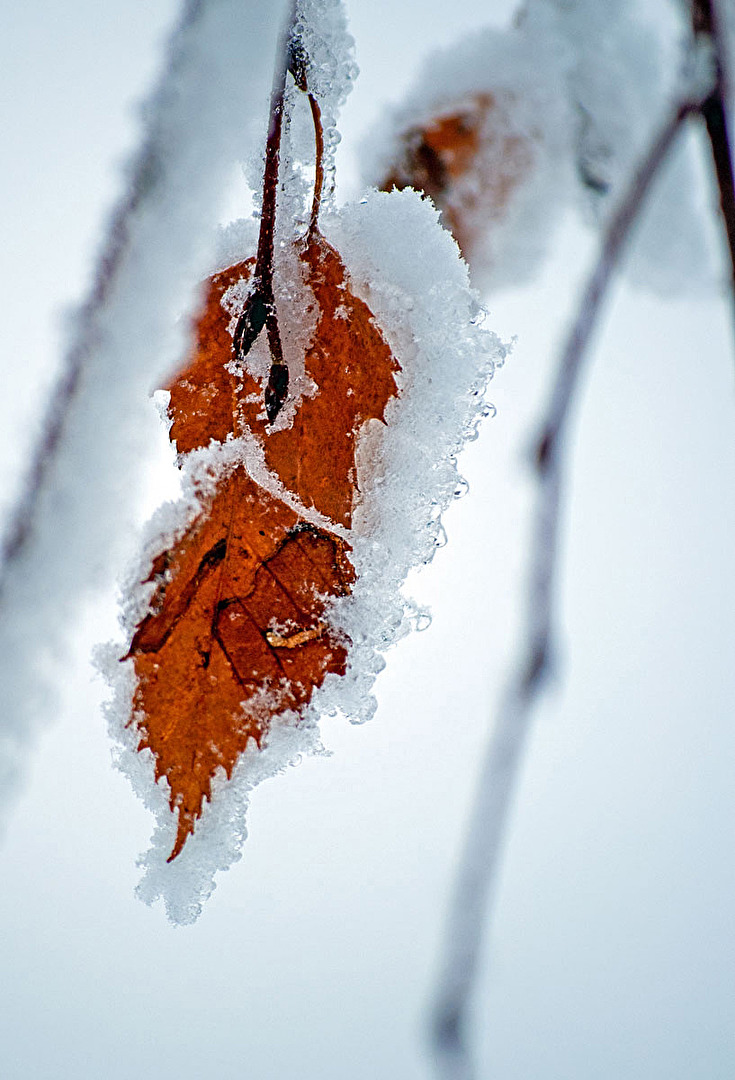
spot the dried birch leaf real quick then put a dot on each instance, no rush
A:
(468, 160)
(486, 132)
(238, 630)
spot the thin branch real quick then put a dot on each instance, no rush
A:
(316, 115)
(260, 309)
(69, 529)
(262, 291)
(264, 258)
(470, 909)
(143, 188)
(707, 25)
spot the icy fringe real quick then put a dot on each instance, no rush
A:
(585, 83)
(123, 342)
(408, 269)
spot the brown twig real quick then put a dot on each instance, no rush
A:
(477, 877)
(260, 309)
(316, 115)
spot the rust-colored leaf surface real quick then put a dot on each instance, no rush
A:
(467, 161)
(238, 630)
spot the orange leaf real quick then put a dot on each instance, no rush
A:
(238, 630)
(468, 160)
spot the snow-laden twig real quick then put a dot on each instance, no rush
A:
(77, 507)
(479, 865)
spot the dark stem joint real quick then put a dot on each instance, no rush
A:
(250, 323)
(544, 451)
(276, 390)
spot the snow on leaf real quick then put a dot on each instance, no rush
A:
(412, 397)
(332, 380)
(238, 630)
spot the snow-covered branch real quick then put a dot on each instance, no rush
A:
(67, 534)
(480, 862)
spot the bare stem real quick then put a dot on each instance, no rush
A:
(262, 310)
(277, 386)
(316, 115)
(470, 909)
(264, 259)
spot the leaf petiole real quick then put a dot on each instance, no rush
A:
(260, 308)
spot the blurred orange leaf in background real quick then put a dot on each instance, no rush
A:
(468, 159)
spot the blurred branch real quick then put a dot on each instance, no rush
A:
(143, 189)
(75, 514)
(707, 26)
(478, 871)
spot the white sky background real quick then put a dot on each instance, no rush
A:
(613, 952)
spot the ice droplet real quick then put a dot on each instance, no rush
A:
(418, 618)
(440, 538)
